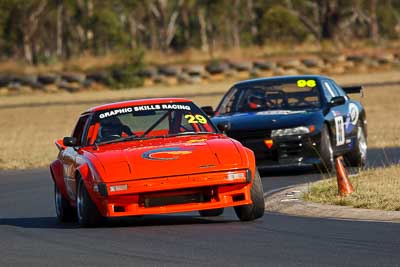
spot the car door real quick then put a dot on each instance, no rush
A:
(336, 116)
(69, 156)
(352, 113)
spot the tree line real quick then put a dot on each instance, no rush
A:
(43, 31)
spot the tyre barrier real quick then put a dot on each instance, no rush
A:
(214, 71)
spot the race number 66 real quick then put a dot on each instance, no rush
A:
(308, 83)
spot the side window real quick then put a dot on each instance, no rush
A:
(338, 89)
(80, 128)
(228, 103)
(329, 90)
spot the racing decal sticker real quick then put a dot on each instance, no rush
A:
(242, 114)
(197, 141)
(162, 107)
(351, 118)
(119, 111)
(147, 107)
(196, 118)
(354, 113)
(308, 83)
(167, 153)
(175, 106)
(351, 144)
(207, 166)
(339, 131)
(348, 126)
(279, 112)
(115, 112)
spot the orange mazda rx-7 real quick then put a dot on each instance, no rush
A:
(149, 157)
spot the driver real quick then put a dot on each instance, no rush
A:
(112, 128)
(257, 101)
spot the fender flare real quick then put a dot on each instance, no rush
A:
(85, 174)
(57, 174)
(248, 155)
(330, 132)
(251, 159)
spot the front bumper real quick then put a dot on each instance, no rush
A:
(173, 194)
(286, 151)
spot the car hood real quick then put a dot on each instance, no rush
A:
(274, 119)
(161, 158)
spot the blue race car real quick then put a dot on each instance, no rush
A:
(295, 121)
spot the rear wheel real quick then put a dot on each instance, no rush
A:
(65, 212)
(357, 157)
(326, 152)
(255, 210)
(211, 212)
(88, 214)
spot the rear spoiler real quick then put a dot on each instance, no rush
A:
(357, 89)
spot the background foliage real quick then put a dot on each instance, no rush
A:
(46, 31)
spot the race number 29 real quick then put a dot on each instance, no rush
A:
(339, 130)
(196, 119)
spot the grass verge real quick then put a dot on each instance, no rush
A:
(374, 189)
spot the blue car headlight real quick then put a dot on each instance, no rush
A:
(293, 131)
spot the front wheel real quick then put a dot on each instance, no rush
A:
(326, 152)
(65, 212)
(255, 210)
(88, 214)
(357, 157)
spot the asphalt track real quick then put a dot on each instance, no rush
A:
(31, 236)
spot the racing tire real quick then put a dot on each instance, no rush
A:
(326, 152)
(87, 212)
(255, 210)
(211, 212)
(357, 157)
(65, 212)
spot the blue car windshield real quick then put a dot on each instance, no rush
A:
(300, 94)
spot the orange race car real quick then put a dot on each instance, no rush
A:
(149, 157)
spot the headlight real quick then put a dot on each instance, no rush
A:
(293, 131)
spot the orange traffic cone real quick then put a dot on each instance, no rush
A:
(344, 186)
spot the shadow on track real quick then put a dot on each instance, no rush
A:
(37, 222)
(377, 157)
(287, 171)
(150, 220)
(277, 178)
(165, 220)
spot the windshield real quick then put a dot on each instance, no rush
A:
(148, 121)
(291, 94)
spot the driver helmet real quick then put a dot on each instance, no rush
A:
(111, 126)
(257, 100)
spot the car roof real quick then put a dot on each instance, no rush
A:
(137, 102)
(279, 78)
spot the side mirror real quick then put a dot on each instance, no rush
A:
(70, 141)
(224, 126)
(337, 101)
(208, 110)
